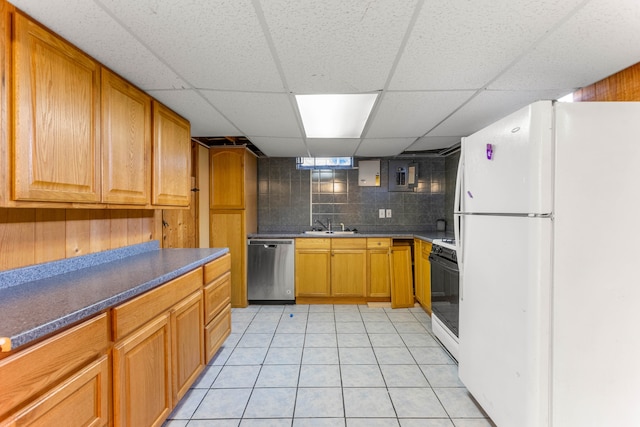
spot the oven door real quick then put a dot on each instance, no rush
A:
(445, 284)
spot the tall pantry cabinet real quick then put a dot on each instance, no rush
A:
(234, 210)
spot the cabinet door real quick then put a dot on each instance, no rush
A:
(417, 271)
(401, 280)
(126, 142)
(313, 272)
(379, 280)
(171, 158)
(227, 178)
(425, 273)
(82, 400)
(187, 343)
(228, 230)
(142, 376)
(56, 144)
(348, 272)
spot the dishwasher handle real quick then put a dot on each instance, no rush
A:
(271, 244)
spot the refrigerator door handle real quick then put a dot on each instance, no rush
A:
(457, 221)
(457, 201)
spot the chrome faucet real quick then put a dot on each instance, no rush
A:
(324, 226)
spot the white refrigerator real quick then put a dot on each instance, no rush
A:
(547, 226)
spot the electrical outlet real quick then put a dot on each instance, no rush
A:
(380, 213)
(388, 213)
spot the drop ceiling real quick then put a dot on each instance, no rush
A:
(443, 68)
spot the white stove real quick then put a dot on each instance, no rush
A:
(446, 243)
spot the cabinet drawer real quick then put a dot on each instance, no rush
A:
(30, 372)
(217, 268)
(378, 242)
(131, 315)
(217, 295)
(79, 401)
(313, 243)
(349, 243)
(426, 248)
(216, 332)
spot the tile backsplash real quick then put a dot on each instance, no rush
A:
(290, 200)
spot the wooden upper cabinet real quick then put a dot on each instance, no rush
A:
(171, 158)
(228, 177)
(126, 142)
(56, 122)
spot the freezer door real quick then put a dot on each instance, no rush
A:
(504, 316)
(507, 167)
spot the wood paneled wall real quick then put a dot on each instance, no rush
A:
(622, 86)
(33, 236)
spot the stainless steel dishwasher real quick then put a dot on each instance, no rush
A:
(270, 274)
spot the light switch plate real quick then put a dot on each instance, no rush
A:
(380, 213)
(388, 213)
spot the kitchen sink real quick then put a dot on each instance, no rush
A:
(328, 233)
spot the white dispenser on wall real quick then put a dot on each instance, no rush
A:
(369, 173)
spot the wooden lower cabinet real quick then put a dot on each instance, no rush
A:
(130, 373)
(313, 267)
(378, 278)
(216, 332)
(187, 343)
(401, 277)
(82, 400)
(63, 380)
(423, 274)
(342, 269)
(348, 267)
(142, 376)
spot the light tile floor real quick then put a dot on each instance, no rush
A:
(329, 365)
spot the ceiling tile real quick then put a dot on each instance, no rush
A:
(327, 147)
(372, 147)
(91, 29)
(213, 44)
(461, 44)
(337, 46)
(595, 43)
(280, 147)
(486, 108)
(257, 114)
(412, 114)
(205, 120)
(433, 143)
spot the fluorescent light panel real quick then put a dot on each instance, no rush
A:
(335, 116)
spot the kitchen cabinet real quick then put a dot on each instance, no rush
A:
(187, 344)
(378, 277)
(422, 274)
(401, 275)
(217, 304)
(348, 267)
(142, 375)
(126, 142)
(56, 123)
(159, 350)
(171, 185)
(233, 210)
(75, 134)
(313, 267)
(5, 88)
(331, 267)
(63, 380)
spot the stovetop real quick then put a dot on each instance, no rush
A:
(445, 243)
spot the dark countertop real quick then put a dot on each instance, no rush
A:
(61, 293)
(423, 235)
